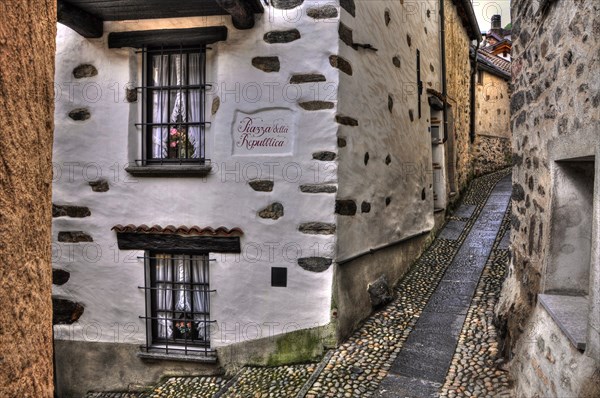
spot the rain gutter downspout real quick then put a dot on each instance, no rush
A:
(473, 84)
(443, 56)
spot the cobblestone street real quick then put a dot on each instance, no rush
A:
(372, 362)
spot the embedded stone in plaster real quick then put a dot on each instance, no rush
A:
(340, 63)
(317, 228)
(408, 40)
(315, 264)
(346, 35)
(346, 120)
(411, 116)
(345, 207)
(215, 105)
(281, 36)
(317, 188)
(70, 211)
(65, 312)
(325, 156)
(388, 159)
(74, 237)
(518, 193)
(60, 276)
(286, 4)
(388, 200)
(307, 78)
(396, 61)
(273, 211)
(316, 105)
(84, 70)
(366, 159)
(365, 207)
(323, 12)
(266, 64)
(390, 102)
(386, 17)
(80, 114)
(341, 142)
(130, 94)
(349, 6)
(100, 185)
(423, 195)
(380, 292)
(261, 185)
(431, 68)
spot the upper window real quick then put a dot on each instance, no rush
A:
(174, 104)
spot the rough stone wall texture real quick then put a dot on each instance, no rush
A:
(555, 96)
(491, 149)
(26, 114)
(548, 365)
(458, 76)
(490, 154)
(492, 104)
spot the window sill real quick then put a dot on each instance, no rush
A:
(570, 314)
(170, 170)
(199, 357)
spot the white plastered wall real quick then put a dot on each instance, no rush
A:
(106, 284)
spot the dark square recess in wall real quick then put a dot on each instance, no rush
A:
(278, 277)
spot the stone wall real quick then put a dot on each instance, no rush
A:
(384, 157)
(492, 148)
(490, 153)
(27, 31)
(458, 77)
(554, 104)
(547, 364)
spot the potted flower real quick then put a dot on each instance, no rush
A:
(180, 145)
(184, 328)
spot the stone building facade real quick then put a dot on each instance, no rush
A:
(319, 125)
(550, 307)
(492, 148)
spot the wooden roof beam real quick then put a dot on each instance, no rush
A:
(82, 22)
(241, 13)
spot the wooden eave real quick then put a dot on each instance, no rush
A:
(86, 17)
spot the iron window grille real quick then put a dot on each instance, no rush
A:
(173, 105)
(177, 293)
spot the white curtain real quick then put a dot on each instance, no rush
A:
(200, 270)
(172, 70)
(182, 270)
(164, 297)
(196, 105)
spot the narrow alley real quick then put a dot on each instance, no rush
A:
(436, 338)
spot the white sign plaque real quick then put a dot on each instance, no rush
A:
(264, 132)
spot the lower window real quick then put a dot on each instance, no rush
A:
(177, 302)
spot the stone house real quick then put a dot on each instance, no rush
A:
(233, 181)
(491, 148)
(550, 306)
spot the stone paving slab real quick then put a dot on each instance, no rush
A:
(426, 355)
(452, 230)
(465, 211)
(395, 386)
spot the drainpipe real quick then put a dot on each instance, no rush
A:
(473, 85)
(443, 55)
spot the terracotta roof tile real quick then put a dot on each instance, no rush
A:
(494, 61)
(181, 230)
